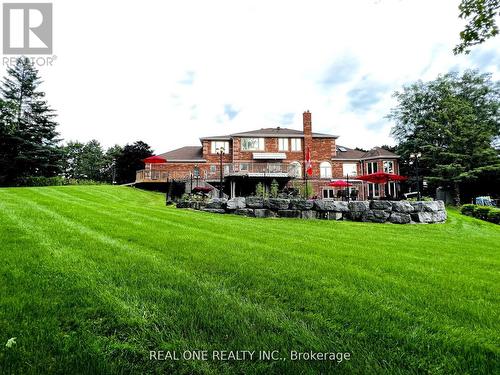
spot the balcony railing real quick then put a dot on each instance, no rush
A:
(229, 169)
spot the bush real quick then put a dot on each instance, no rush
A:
(494, 216)
(468, 209)
(481, 212)
(52, 181)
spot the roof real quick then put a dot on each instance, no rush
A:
(269, 132)
(378, 152)
(346, 153)
(187, 153)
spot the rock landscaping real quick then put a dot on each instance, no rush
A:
(397, 212)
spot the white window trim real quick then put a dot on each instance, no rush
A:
(371, 163)
(392, 166)
(260, 142)
(283, 144)
(323, 167)
(296, 144)
(214, 145)
(350, 172)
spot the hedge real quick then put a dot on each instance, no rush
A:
(491, 214)
(53, 181)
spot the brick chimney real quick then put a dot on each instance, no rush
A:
(307, 123)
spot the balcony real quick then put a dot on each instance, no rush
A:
(248, 169)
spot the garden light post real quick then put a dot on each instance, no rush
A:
(220, 152)
(415, 157)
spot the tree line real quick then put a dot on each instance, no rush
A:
(30, 146)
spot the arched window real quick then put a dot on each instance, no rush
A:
(295, 169)
(325, 170)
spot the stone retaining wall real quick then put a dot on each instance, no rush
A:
(397, 212)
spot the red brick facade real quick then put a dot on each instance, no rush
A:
(323, 149)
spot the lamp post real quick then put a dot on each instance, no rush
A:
(415, 157)
(220, 152)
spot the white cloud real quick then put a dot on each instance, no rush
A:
(168, 72)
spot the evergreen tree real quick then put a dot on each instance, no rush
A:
(454, 122)
(28, 125)
(130, 161)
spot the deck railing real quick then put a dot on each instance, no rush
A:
(229, 169)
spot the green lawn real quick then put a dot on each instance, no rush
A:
(92, 278)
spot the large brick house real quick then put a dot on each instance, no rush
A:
(277, 154)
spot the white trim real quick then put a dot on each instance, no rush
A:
(269, 155)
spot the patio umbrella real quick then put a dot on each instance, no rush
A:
(155, 160)
(339, 183)
(382, 178)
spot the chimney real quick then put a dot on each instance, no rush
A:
(307, 123)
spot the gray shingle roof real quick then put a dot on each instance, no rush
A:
(270, 132)
(351, 154)
(187, 153)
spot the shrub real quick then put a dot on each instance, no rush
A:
(274, 189)
(52, 181)
(481, 212)
(494, 216)
(468, 209)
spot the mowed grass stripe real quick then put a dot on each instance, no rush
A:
(321, 304)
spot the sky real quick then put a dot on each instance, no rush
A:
(169, 72)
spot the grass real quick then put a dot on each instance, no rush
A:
(94, 277)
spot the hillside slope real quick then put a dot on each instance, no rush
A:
(94, 277)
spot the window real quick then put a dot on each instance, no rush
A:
(213, 169)
(350, 169)
(218, 144)
(283, 144)
(373, 190)
(391, 187)
(295, 169)
(371, 167)
(328, 193)
(296, 144)
(388, 166)
(325, 170)
(244, 167)
(252, 144)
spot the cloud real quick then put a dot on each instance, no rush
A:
(366, 94)
(287, 118)
(341, 71)
(188, 78)
(485, 59)
(376, 126)
(230, 112)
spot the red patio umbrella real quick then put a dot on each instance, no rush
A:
(339, 183)
(155, 160)
(381, 177)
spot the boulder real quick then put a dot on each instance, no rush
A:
(214, 210)
(236, 203)
(428, 206)
(400, 218)
(429, 217)
(301, 204)
(182, 204)
(338, 206)
(289, 213)
(308, 214)
(277, 203)
(381, 205)
(359, 206)
(330, 215)
(375, 216)
(244, 212)
(264, 212)
(217, 203)
(355, 215)
(402, 206)
(254, 202)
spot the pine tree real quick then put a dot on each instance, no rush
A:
(28, 125)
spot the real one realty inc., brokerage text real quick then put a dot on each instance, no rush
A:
(246, 355)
